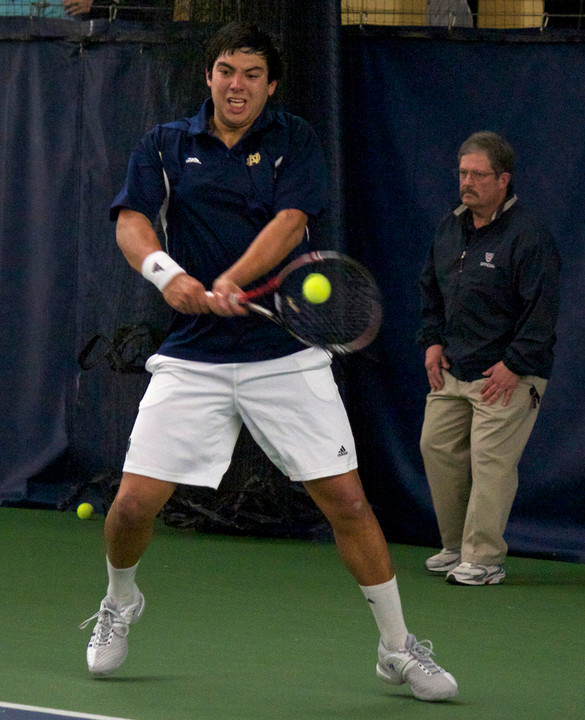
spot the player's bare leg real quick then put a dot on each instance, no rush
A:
(363, 548)
(357, 533)
(128, 531)
(130, 521)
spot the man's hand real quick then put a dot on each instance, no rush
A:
(500, 382)
(77, 7)
(187, 295)
(435, 363)
(225, 298)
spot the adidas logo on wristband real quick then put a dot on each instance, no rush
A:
(159, 268)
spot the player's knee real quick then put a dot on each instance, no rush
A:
(352, 508)
(132, 508)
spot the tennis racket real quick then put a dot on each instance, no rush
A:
(347, 321)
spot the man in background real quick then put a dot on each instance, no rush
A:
(490, 295)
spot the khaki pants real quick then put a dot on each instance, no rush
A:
(471, 452)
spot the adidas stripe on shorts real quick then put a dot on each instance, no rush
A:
(191, 414)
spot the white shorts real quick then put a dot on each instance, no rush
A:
(192, 412)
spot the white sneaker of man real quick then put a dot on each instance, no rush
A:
(474, 574)
(108, 646)
(444, 561)
(414, 664)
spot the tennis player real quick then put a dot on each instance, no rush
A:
(235, 186)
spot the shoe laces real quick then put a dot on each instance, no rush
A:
(422, 650)
(466, 566)
(106, 618)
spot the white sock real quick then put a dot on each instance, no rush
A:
(384, 602)
(121, 587)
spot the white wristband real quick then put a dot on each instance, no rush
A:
(160, 269)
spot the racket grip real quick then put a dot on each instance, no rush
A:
(233, 298)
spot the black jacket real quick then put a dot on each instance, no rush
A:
(492, 293)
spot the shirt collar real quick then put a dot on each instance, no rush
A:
(511, 199)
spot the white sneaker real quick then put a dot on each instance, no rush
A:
(444, 561)
(414, 664)
(108, 646)
(474, 574)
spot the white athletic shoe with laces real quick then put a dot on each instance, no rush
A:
(108, 646)
(444, 561)
(475, 574)
(414, 664)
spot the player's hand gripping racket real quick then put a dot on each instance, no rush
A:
(346, 320)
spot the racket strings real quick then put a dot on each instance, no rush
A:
(348, 319)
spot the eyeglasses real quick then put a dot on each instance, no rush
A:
(474, 174)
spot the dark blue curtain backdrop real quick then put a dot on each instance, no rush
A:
(410, 101)
(38, 243)
(76, 97)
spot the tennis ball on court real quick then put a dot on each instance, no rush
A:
(316, 288)
(85, 511)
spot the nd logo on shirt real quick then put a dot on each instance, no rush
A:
(253, 159)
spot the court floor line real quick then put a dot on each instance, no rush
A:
(12, 711)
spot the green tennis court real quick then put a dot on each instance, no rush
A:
(259, 629)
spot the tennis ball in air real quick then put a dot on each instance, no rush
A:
(316, 288)
(85, 511)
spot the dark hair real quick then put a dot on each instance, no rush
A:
(500, 153)
(247, 38)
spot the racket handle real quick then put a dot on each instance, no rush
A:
(233, 298)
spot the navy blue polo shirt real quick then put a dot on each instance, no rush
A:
(214, 201)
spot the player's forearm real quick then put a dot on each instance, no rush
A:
(270, 247)
(135, 237)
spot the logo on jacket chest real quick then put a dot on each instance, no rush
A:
(253, 159)
(489, 256)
